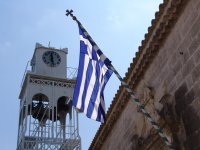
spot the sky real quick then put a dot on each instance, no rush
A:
(118, 27)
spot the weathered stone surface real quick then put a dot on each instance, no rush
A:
(193, 46)
(188, 67)
(189, 81)
(193, 142)
(196, 73)
(184, 55)
(191, 121)
(180, 99)
(195, 27)
(167, 113)
(172, 86)
(196, 90)
(189, 97)
(189, 17)
(179, 78)
(177, 66)
(197, 56)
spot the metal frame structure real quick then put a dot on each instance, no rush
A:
(40, 125)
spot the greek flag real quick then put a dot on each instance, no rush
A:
(93, 74)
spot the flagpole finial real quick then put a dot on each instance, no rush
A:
(70, 12)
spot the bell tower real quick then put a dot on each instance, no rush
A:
(47, 120)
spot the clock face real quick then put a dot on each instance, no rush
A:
(51, 58)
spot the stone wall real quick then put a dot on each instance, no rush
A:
(170, 90)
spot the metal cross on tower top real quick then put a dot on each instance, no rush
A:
(69, 12)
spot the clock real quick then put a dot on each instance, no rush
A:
(51, 58)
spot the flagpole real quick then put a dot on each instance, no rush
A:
(134, 99)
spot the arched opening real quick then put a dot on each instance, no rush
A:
(40, 108)
(63, 107)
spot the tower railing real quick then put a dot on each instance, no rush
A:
(25, 71)
(71, 72)
(44, 138)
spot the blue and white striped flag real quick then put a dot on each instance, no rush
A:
(93, 74)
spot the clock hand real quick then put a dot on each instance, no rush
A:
(52, 59)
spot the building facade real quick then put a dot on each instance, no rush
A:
(165, 77)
